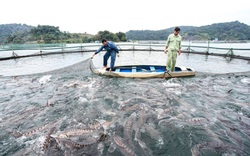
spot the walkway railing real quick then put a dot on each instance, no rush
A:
(31, 50)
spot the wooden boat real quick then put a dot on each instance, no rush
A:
(145, 71)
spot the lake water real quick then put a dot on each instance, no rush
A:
(54, 105)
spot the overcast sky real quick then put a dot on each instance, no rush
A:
(91, 16)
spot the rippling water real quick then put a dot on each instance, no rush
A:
(71, 111)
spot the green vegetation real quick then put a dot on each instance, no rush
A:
(50, 34)
(45, 34)
(20, 34)
(221, 31)
(12, 31)
(110, 36)
(153, 35)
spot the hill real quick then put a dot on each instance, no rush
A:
(21, 34)
(8, 29)
(153, 35)
(221, 31)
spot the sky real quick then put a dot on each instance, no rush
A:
(91, 16)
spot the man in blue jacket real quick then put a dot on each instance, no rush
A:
(111, 49)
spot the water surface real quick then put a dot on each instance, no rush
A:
(58, 98)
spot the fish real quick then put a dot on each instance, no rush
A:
(128, 128)
(48, 139)
(33, 131)
(122, 146)
(73, 132)
(195, 150)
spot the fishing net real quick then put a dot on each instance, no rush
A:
(72, 111)
(79, 68)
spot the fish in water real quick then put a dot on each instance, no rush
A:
(123, 147)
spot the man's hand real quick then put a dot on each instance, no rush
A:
(179, 52)
(118, 55)
(92, 56)
(166, 51)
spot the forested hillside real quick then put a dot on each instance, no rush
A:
(221, 31)
(154, 35)
(8, 29)
(20, 34)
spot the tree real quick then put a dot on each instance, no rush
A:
(47, 34)
(7, 31)
(107, 35)
(121, 36)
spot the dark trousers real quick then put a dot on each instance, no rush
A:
(106, 57)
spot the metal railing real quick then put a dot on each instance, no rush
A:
(19, 51)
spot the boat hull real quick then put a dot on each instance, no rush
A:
(145, 71)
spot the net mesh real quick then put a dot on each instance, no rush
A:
(82, 67)
(71, 111)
